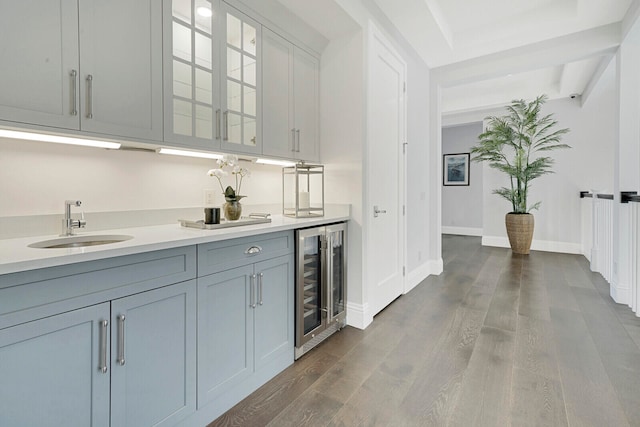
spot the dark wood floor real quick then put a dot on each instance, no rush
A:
(496, 340)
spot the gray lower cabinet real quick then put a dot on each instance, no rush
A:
(152, 339)
(80, 368)
(245, 320)
(153, 360)
(49, 371)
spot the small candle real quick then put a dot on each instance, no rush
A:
(303, 199)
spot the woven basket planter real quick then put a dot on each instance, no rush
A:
(520, 232)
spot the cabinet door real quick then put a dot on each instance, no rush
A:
(121, 67)
(49, 371)
(274, 312)
(336, 271)
(192, 114)
(39, 52)
(225, 331)
(241, 85)
(278, 133)
(153, 357)
(305, 83)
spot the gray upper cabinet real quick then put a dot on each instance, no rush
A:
(120, 82)
(192, 111)
(40, 64)
(241, 91)
(212, 77)
(89, 65)
(306, 69)
(51, 370)
(290, 100)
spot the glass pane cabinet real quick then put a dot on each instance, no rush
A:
(320, 284)
(193, 74)
(240, 86)
(212, 75)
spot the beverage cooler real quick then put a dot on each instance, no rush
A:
(321, 284)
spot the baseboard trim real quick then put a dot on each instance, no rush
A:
(620, 294)
(358, 315)
(462, 231)
(536, 245)
(417, 275)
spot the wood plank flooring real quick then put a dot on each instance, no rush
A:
(496, 340)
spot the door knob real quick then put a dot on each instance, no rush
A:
(377, 211)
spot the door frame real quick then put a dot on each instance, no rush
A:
(375, 34)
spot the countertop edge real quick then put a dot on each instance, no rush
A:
(16, 257)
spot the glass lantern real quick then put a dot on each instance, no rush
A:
(303, 190)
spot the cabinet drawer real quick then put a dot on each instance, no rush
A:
(219, 256)
(35, 294)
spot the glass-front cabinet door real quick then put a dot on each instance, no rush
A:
(212, 76)
(241, 85)
(192, 73)
(336, 259)
(309, 293)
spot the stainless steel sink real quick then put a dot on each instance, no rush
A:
(80, 241)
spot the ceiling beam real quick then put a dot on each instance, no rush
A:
(602, 40)
(595, 78)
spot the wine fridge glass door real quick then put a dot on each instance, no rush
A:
(337, 257)
(310, 284)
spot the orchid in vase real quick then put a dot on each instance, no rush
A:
(230, 161)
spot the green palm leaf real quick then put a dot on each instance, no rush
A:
(510, 143)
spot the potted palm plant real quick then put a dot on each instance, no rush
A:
(514, 144)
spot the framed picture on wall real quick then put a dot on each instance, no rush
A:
(455, 169)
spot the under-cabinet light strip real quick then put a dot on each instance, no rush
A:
(187, 153)
(4, 133)
(283, 163)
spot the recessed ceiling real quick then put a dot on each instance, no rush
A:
(572, 42)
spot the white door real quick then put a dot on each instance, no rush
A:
(386, 173)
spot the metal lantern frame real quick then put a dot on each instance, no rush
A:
(302, 172)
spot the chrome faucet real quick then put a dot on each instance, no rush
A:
(68, 224)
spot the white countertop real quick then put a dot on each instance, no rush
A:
(16, 255)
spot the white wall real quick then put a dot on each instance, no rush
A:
(344, 145)
(462, 205)
(36, 178)
(341, 140)
(627, 156)
(588, 164)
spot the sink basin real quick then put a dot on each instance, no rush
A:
(80, 241)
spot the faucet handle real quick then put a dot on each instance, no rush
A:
(81, 221)
(73, 202)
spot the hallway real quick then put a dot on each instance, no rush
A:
(495, 340)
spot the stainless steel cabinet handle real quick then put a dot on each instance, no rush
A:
(298, 140)
(377, 211)
(225, 116)
(89, 96)
(252, 303)
(218, 123)
(253, 250)
(120, 359)
(293, 140)
(260, 276)
(74, 92)
(102, 351)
